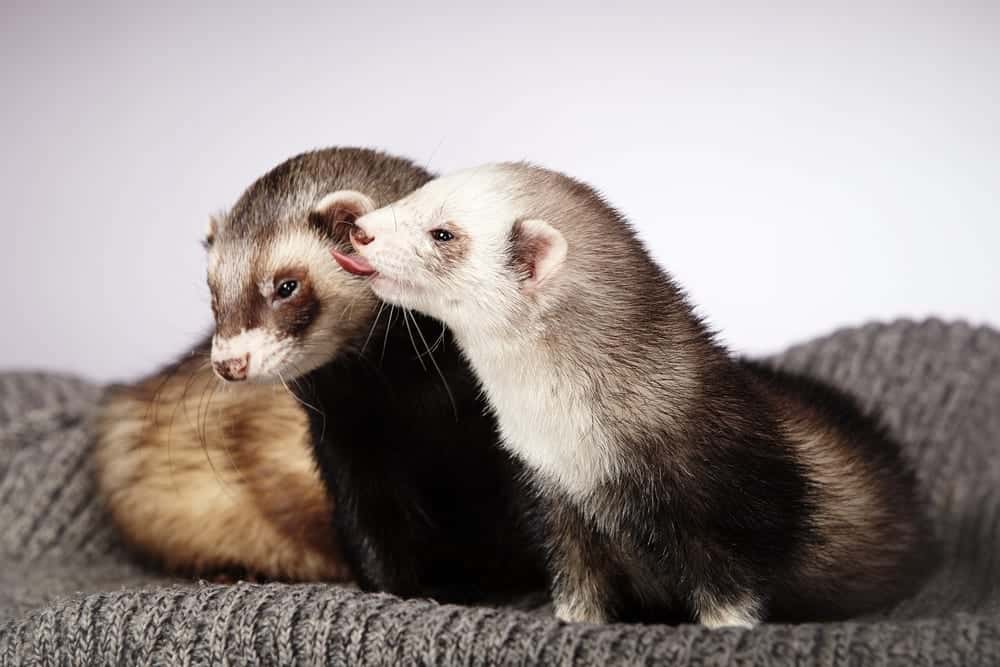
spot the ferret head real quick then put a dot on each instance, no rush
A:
(468, 249)
(281, 307)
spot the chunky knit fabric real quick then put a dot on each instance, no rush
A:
(70, 594)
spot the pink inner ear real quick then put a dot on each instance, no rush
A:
(534, 249)
(541, 249)
(344, 206)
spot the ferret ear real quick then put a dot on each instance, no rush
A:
(538, 249)
(338, 210)
(214, 222)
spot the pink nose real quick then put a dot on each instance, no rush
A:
(233, 370)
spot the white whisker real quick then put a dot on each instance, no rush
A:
(385, 341)
(438, 341)
(447, 389)
(406, 321)
(378, 315)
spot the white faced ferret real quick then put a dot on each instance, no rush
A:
(423, 500)
(676, 482)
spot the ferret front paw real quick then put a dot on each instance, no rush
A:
(742, 614)
(578, 610)
(744, 611)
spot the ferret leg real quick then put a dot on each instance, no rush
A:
(579, 598)
(718, 611)
(582, 569)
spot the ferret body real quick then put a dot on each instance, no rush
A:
(215, 483)
(423, 497)
(675, 482)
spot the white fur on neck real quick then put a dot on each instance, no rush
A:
(544, 413)
(543, 416)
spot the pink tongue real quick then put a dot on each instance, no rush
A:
(355, 264)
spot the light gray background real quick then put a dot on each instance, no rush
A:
(796, 169)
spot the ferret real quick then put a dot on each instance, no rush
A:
(424, 500)
(674, 481)
(215, 482)
(220, 481)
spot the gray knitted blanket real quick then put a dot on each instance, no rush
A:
(70, 594)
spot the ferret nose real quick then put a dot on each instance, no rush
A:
(233, 370)
(360, 236)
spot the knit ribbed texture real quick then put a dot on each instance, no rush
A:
(70, 594)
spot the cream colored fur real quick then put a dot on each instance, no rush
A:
(203, 477)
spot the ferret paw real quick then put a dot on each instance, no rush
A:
(743, 614)
(579, 611)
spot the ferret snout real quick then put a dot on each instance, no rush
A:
(233, 370)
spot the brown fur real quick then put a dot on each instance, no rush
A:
(206, 479)
(863, 540)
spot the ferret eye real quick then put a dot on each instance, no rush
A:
(287, 288)
(441, 235)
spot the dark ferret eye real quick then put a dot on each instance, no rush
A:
(441, 235)
(287, 288)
